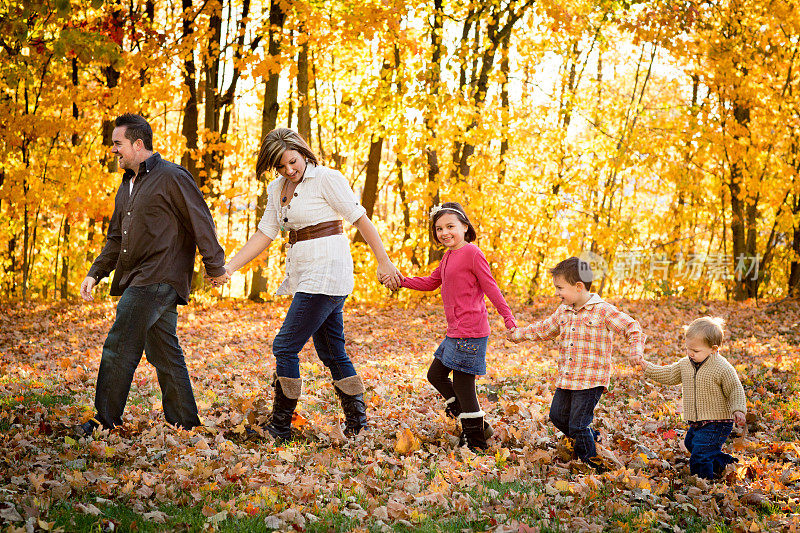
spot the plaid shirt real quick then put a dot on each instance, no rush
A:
(587, 336)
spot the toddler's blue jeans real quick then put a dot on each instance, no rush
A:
(705, 442)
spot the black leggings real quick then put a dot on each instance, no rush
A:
(462, 386)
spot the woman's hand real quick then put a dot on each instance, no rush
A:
(739, 418)
(389, 275)
(387, 272)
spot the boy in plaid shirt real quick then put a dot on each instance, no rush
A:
(585, 324)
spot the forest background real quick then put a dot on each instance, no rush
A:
(659, 137)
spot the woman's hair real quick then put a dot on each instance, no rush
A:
(278, 141)
(709, 329)
(573, 270)
(451, 208)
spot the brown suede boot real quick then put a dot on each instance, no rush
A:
(287, 391)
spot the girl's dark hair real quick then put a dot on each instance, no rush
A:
(453, 208)
(136, 127)
(278, 141)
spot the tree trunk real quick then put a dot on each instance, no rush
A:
(269, 119)
(495, 35)
(794, 266)
(190, 114)
(211, 97)
(505, 109)
(743, 218)
(225, 102)
(434, 85)
(320, 145)
(12, 259)
(25, 240)
(370, 193)
(303, 104)
(65, 263)
(75, 141)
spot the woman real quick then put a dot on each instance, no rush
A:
(309, 202)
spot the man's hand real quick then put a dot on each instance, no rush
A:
(639, 360)
(220, 280)
(739, 418)
(390, 276)
(87, 287)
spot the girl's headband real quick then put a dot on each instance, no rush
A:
(435, 209)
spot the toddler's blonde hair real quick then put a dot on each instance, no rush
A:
(710, 329)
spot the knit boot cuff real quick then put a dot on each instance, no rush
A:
(350, 385)
(450, 400)
(476, 414)
(291, 387)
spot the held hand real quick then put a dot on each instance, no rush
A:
(220, 280)
(516, 335)
(739, 418)
(87, 287)
(388, 281)
(389, 275)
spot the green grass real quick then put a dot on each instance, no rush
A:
(180, 519)
(47, 400)
(191, 518)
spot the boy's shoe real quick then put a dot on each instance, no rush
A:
(565, 449)
(597, 464)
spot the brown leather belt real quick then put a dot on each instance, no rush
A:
(323, 229)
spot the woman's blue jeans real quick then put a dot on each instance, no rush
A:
(146, 321)
(317, 316)
(705, 446)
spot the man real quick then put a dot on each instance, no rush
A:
(159, 218)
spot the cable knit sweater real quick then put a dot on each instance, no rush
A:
(711, 392)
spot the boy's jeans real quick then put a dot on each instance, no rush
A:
(147, 319)
(572, 412)
(705, 446)
(318, 316)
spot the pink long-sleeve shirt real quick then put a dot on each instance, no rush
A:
(465, 278)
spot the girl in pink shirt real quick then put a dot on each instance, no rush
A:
(465, 278)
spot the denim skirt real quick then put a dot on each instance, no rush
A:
(467, 355)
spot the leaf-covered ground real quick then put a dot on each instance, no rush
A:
(404, 473)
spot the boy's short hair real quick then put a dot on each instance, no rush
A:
(709, 329)
(573, 270)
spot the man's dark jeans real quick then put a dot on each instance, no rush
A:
(705, 444)
(147, 319)
(317, 316)
(572, 412)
